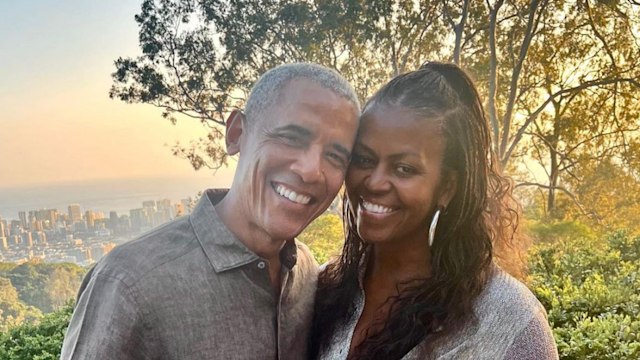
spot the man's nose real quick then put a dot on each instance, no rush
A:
(309, 165)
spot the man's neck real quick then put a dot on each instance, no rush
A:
(254, 238)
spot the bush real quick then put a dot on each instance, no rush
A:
(591, 290)
(41, 341)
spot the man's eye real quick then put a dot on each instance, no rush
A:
(337, 159)
(290, 139)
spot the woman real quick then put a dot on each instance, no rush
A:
(425, 207)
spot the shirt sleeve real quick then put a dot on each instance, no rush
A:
(534, 342)
(106, 323)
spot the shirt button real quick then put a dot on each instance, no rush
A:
(261, 265)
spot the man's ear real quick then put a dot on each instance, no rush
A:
(448, 188)
(235, 129)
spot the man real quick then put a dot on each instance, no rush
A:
(229, 281)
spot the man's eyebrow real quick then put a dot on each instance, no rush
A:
(341, 149)
(295, 129)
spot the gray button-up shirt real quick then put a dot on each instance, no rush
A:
(191, 290)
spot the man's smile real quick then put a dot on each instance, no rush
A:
(291, 195)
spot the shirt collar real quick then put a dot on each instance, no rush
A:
(222, 248)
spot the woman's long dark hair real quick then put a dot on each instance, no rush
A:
(479, 216)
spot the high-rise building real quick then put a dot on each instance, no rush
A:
(52, 216)
(22, 215)
(15, 240)
(188, 205)
(75, 213)
(163, 204)
(179, 209)
(138, 219)
(4, 244)
(113, 220)
(149, 204)
(16, 227)
(41, 237)
(3, 229)
(90, 217)
(27, 239)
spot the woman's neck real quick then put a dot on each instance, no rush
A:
(399, 262)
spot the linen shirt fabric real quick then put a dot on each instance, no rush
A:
(191, 290)
(510, 324)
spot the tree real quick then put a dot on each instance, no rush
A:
(540, 64)
(12, 311)
(590, 80)
(324, 236)
(46, 286)
(199, 59)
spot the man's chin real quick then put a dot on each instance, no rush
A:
(287, 232)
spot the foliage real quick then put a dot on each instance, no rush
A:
(41, 341)
(555, 231)
(612, 191)
(12, 311)
(324, 236)
(588, 283)
(560, 78)
(591, 290)
(46, 286)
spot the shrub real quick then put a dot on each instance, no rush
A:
(591, 290)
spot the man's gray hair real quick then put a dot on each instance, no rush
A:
(267, 89)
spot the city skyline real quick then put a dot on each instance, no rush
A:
(104, 195)
(58, 123)
(80, 235)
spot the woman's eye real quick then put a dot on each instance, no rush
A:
(405, 170)
(361, 161)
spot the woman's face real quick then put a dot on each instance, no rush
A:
(395, 180)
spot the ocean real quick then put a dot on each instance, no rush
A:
(119, 195)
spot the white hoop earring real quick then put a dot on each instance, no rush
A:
(434, 224)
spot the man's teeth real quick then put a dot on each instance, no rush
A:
(375, 208)
(292, 195)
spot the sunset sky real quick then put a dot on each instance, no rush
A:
(57, 123)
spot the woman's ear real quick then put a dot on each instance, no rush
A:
(448, 188)
(234, 131)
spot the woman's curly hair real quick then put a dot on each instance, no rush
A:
(481, 215)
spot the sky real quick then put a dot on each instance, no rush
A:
(57, 123)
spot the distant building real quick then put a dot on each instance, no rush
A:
(81, 255)
(16, 227)
(149, 204)
(15, 240)
(188, 205)
(50, 217)
(179, 209)
(75, 213)
(40, 237)
(27, 239)
(90, 218)
(22, 215)
(4, 244)
(139, 220)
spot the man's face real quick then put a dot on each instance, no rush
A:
(293, 158)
